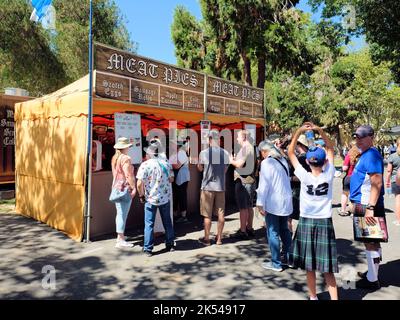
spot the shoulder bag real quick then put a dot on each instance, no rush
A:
(117, 195)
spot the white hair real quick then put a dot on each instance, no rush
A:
(272, 150)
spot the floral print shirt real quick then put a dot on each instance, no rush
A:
(155, 174)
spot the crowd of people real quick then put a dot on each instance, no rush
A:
(295, 181)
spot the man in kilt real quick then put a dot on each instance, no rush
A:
(366, 193)
(314, 243)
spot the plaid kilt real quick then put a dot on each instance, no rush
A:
(314, 245)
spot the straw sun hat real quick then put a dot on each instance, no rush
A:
(122, 143)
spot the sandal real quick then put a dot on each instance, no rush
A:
(344, 213)
(205, 242)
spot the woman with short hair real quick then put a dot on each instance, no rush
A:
(274, 201)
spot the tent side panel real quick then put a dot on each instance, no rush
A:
(52, 149)
(56, 204)
(50, 171)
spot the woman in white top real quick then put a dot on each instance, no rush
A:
(314, 243)
(180, 163)
(274, 201)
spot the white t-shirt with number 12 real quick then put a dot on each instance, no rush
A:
(316, 192)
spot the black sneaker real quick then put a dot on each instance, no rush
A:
(286, 262)
(148, 253)
(363, 275)
(250, 232)
(170, 248)
(369, 285)
(240, 235)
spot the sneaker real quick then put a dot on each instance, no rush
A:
(170, 247)
(250, 232)
(269, 266)
(123, 244)
(182, 220)
(240, 235)
(285, 262)
(363, 275)
(148, 253)
(364, 283)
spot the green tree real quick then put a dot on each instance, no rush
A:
(42, 62)
(378, 20)
(26, 59)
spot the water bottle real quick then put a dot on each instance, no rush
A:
(310, 139)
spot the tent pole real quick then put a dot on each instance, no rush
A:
(88, 181)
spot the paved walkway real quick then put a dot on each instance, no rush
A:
(230, 271)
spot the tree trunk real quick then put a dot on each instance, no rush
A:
(247, 69)
(261, 70)
(339, 140)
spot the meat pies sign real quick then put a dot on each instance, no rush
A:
(124, 76)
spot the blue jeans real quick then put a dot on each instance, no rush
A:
(122, 214)
(277, 228)
(150, 212)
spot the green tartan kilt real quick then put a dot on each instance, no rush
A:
(314, 245)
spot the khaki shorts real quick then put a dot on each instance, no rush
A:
(212, 202)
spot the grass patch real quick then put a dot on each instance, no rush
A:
(7, 206)
(11, 201)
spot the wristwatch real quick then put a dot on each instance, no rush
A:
(370, 207)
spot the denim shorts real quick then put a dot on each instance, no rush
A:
(244, 193)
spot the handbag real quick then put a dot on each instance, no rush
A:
(118, 195)
(368, 233)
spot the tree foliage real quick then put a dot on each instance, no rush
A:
(349, 91)
(236, 36)
(41, 61)
(378, 20)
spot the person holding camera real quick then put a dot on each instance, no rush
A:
(314, 243)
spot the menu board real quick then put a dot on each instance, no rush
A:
(129, 126)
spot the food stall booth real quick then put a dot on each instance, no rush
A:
(7, 157)
(135, 97)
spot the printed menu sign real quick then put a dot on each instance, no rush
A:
(129, 126)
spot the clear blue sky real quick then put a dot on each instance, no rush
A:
(149, 22)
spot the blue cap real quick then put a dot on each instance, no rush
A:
(320, 142)
(316, 157)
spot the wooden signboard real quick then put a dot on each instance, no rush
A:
(124, 76)
(7, 137)
(144, 93)
(246, 109)
(149, 81)
(215, 105)
(116, 88)
(193, 101)
(238, 99)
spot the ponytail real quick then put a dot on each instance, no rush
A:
(115, 158)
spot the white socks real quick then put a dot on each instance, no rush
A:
(373, 265)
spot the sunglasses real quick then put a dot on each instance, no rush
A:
(357, 136)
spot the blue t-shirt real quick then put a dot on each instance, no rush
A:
(370, 162)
